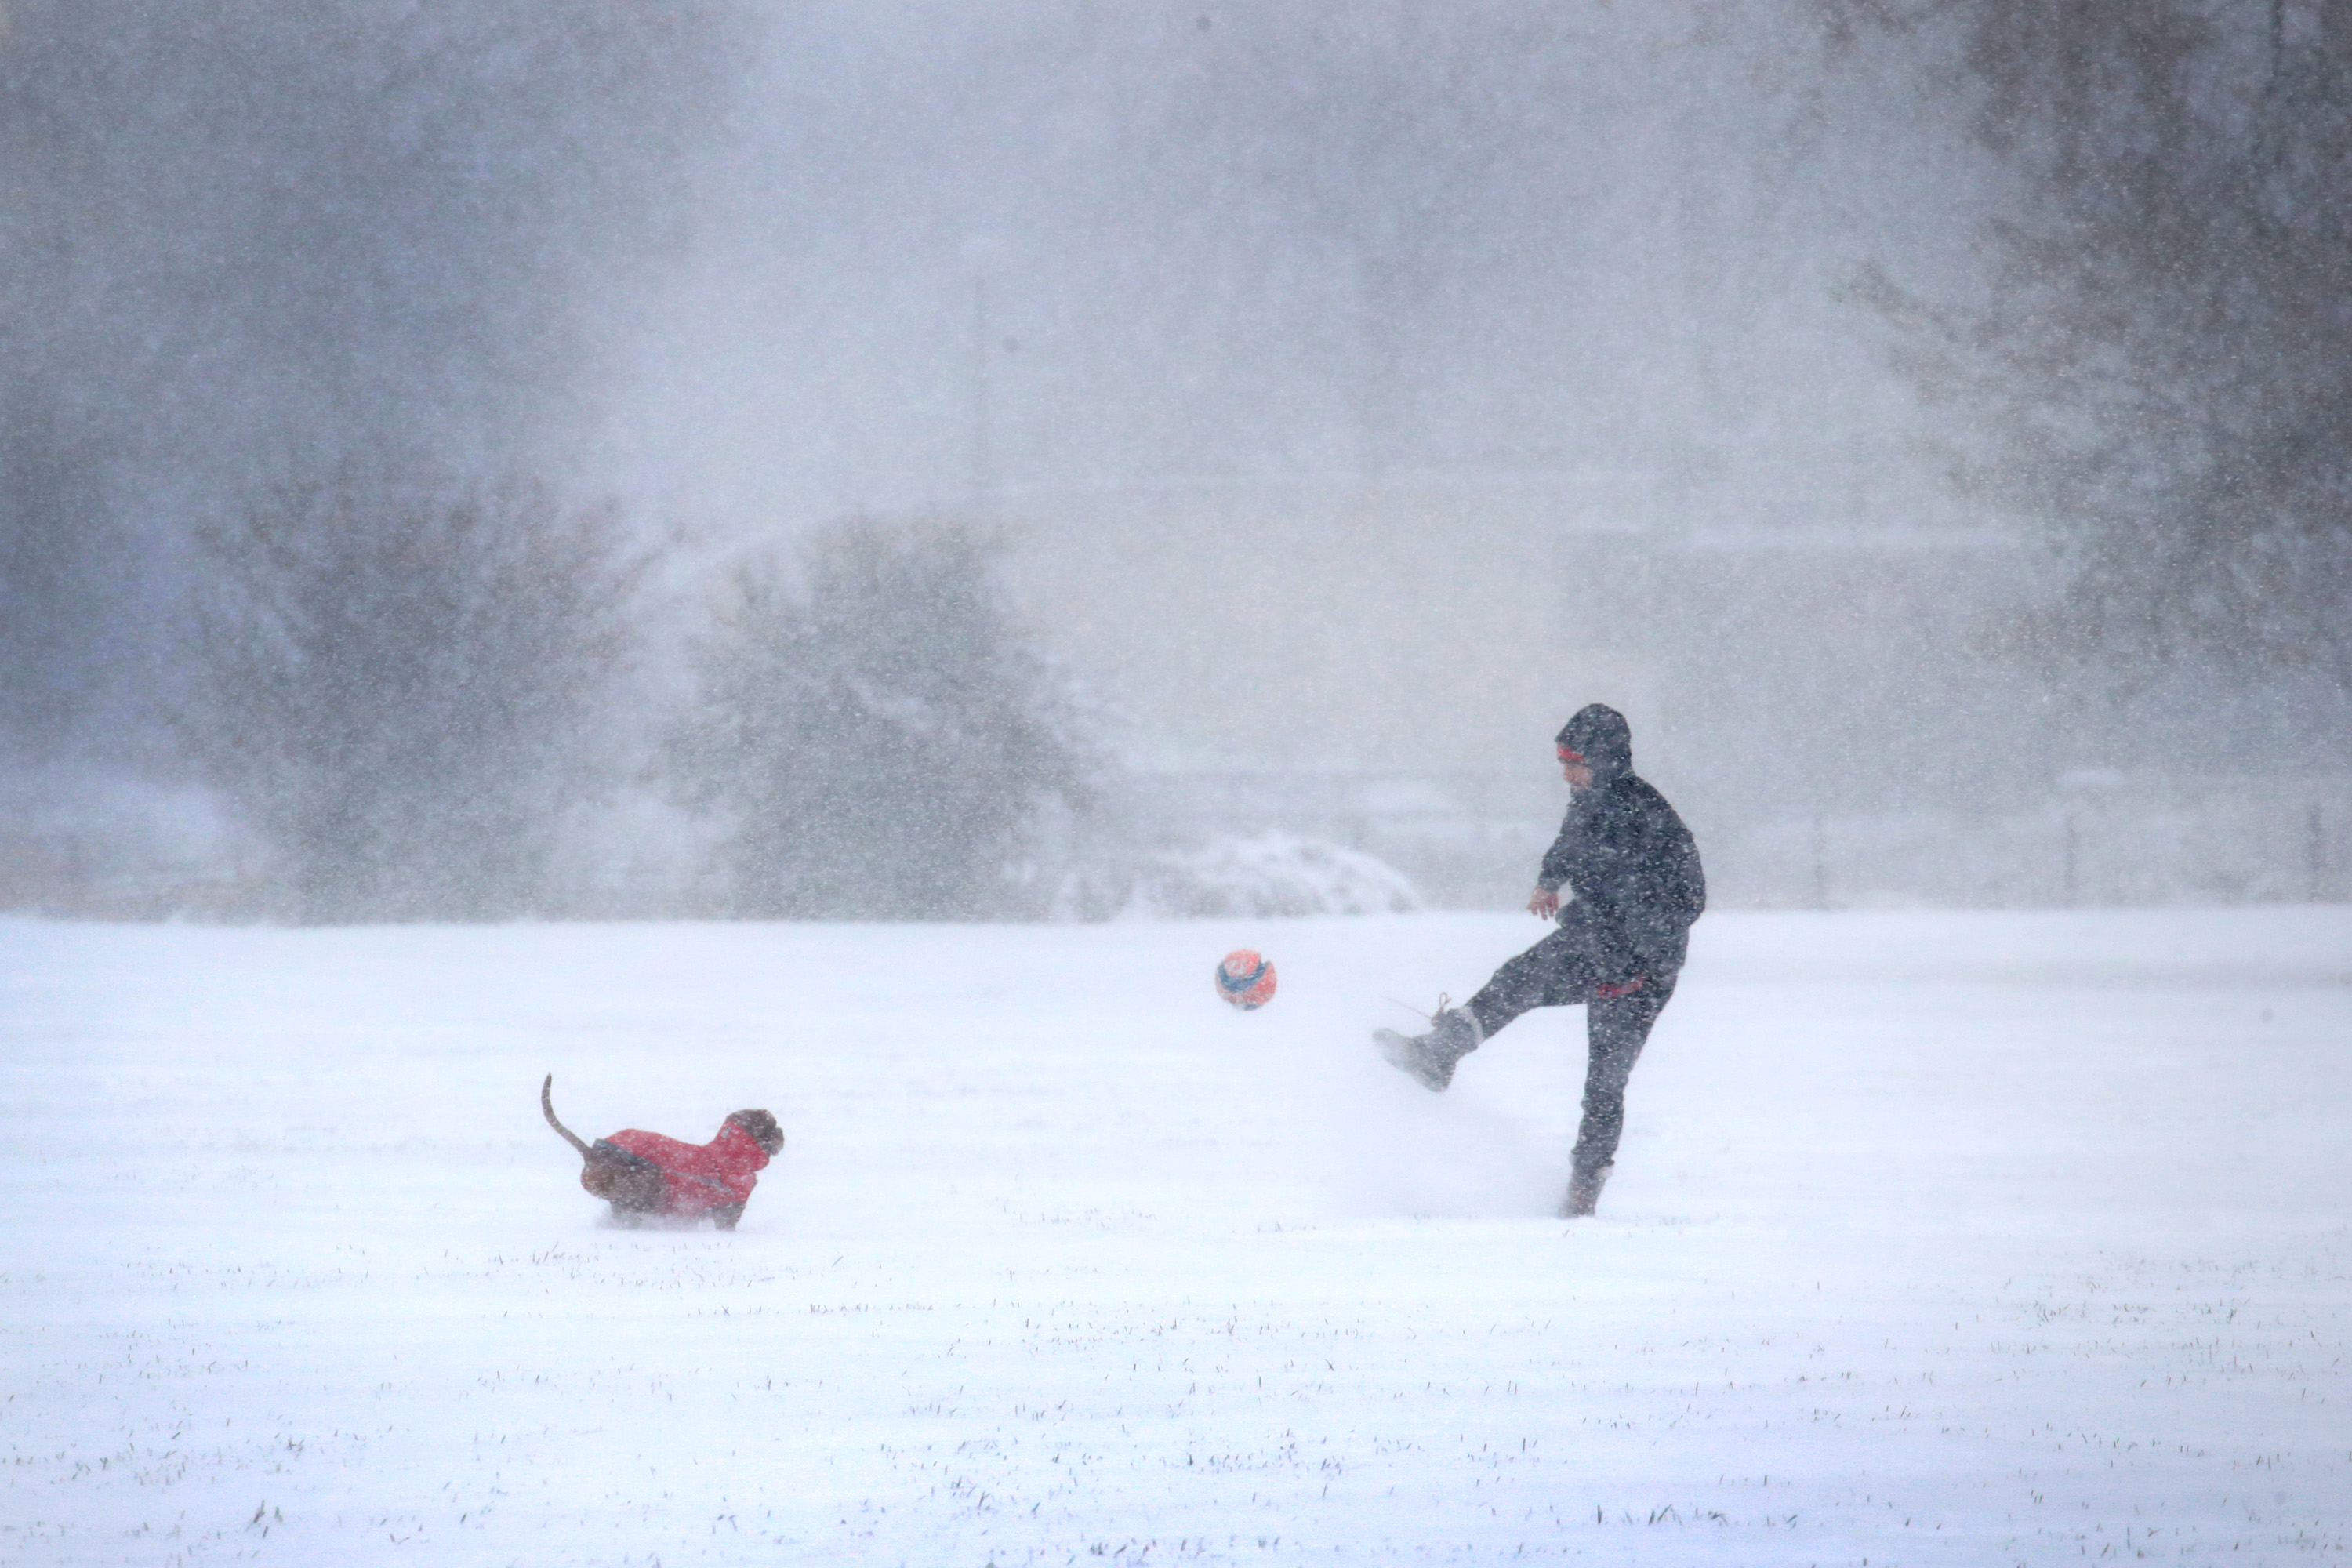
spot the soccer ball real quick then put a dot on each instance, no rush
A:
(1246, 980)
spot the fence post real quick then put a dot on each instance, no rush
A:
(2073, 882)
(2315, 845)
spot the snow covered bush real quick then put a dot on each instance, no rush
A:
(884, 742)
(400, 688)
(1264, 875)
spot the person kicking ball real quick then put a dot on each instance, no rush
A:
(1634, 869)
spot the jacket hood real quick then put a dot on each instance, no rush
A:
(1599, 734)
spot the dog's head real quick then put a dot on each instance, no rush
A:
(762, 1128)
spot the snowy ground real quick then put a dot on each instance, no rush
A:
(1936, 1238)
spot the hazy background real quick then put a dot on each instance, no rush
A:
(1332, 397)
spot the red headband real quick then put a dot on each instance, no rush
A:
(1568, 756)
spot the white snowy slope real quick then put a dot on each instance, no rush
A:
(1936, 1238)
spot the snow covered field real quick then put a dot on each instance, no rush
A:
(1955, 1238)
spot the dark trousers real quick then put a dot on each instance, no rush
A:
(1568, 969)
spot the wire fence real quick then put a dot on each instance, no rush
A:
(1466, 840)
(1474, 840)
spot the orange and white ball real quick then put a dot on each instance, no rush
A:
(1245, 979)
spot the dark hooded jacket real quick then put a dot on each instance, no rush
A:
(1628, 858)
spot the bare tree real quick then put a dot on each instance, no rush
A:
(401, 689)
(882, 738)
(2163, 363)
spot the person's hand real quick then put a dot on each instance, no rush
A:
(1544, 902)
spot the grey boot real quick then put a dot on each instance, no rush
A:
(1584, 1191)
(1453, 1035)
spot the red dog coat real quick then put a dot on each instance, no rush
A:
(700, 1177)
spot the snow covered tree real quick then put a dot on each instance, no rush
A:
(401, 689)
(2163, 362)
(881, 736)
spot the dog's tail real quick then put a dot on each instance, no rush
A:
(547, 1103)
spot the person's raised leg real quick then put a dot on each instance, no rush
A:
(1558, 972)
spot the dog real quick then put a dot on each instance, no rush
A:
(647, 1178)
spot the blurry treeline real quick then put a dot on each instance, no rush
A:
(1354, 386)
(247, 245)
(413, 700)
